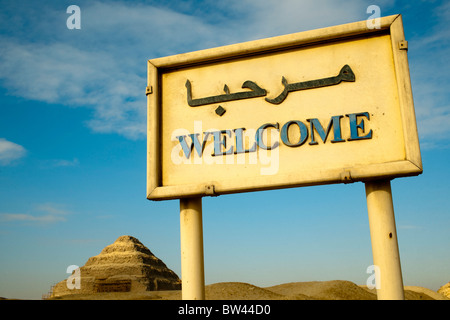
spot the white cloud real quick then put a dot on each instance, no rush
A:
(60, 163)
(430, 79)
(66, 163)
(78, 77)
(43, 213)
(277, 17)
(49, 218)
(10, 151)
(52, 209)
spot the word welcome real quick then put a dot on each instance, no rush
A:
(222, 145)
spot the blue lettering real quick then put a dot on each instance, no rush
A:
(354, 126)
(334, 122)
(194, 143)
(284, 134)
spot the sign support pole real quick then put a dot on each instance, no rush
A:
(383, 235)
(192, 262)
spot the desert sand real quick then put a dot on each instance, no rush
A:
(314, 290)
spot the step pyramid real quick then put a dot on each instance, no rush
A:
(124, 266)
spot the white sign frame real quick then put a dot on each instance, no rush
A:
(409, 165)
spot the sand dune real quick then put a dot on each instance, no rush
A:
(324, 290)
(314, 290)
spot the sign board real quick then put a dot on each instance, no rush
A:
(324, 106)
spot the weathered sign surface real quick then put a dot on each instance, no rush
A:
(324, 106)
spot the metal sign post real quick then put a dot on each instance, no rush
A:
(191, 235)
(383, 235)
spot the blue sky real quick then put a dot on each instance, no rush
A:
(73, 147)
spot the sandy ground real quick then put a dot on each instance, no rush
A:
(314, 290)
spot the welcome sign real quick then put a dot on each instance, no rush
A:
(324, 106)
